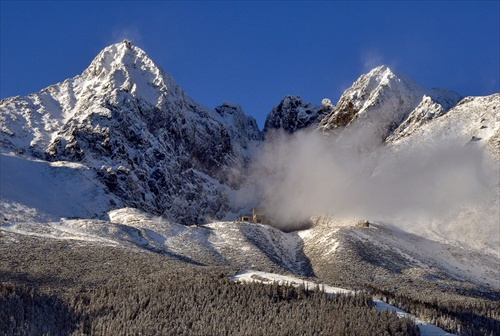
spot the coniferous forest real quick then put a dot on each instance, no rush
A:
(52, 287)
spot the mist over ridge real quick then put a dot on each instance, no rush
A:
(309, 173)
(441, 184)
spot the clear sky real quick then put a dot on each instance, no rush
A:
(255, 53)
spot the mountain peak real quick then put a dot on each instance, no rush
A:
(139, 132)
(381, 69)
(293, 114)
(383, 75)
(386, 98)
(124, 67)
(119, 56)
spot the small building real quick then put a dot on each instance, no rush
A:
(363, 224)
(257, 216)
(244, 218)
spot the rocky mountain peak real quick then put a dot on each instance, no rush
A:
(122, 56)
(381, 75)
(293, 114)
(129, 122)
(127, 68)
(383, 99)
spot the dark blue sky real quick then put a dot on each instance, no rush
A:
(254, 53)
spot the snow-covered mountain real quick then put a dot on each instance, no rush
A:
(150, 144)
(123, 133)
(427, 172)
(382, 102)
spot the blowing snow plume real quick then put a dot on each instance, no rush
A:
(308, 173)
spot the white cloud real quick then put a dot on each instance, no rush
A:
(371, 59)
(306, 174)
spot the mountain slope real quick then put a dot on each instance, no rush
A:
(37, 190)
(474, 119)
(464, 145)
(235, 244)
(380, 254)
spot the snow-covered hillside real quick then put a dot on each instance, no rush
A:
(338, 248)
(333, 250)
(237, 244)
(37, 190)
(474, 120)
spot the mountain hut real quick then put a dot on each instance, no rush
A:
(257, 217)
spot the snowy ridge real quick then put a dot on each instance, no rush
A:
(330, 241)
(381, 100)
(238, 244)
(386, 248)
(474, 119)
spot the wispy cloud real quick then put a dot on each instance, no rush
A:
(129, 33)
(371, 59)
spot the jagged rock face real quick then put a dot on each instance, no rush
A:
(242, 128)
(293, 114)
(383, 101)
(150, 143)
